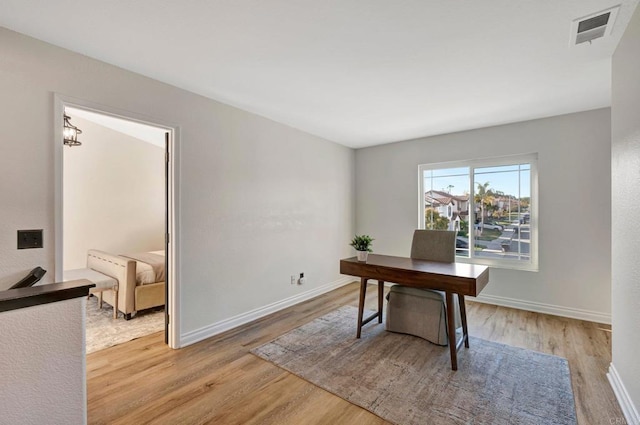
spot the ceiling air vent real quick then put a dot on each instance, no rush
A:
(593, 26)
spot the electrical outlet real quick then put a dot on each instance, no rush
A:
(293, 279)
(302, 279)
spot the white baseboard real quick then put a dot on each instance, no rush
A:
(216, 328)
(628, 409)
(556, 310)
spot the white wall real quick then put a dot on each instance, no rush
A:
(574, 220)
(113, 194)
(625, 124)
(259, 201)
(43, 369)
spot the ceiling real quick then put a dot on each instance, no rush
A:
(357, 72)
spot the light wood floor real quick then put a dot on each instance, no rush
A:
(218, 381)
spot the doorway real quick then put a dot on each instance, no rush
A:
(117, 199)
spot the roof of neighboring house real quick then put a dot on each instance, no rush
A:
(435, 197)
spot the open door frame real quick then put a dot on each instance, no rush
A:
(167, 233)
(60, 102)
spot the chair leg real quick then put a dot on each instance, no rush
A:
(463, 317)
(115, 302)
(100, 299)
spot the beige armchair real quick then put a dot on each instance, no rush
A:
(422, 312)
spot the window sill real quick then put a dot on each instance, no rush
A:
(509, 265)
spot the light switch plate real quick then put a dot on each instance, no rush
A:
(28, 239)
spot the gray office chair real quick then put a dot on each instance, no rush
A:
(422, 312)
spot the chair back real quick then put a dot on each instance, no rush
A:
(434, 245)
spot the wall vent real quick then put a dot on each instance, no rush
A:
(593, 26)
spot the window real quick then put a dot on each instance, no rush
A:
(491, 203)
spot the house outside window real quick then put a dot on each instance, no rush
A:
(491, 203)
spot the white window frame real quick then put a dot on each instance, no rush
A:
(532, 159)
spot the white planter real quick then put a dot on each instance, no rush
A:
(362, 255)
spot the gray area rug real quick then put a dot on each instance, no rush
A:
(103, 331)
(407, 380)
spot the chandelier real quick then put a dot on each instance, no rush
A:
(70, 133)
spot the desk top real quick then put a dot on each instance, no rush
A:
(462, 278)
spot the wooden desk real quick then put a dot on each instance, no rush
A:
(452, 278)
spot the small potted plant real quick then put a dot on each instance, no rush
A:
(362, 244)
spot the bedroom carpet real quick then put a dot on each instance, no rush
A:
(103, 331)
(406, 380)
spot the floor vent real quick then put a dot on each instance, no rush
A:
(593, 26)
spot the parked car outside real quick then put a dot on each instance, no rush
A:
(462, 242)
(462, 246)
(492, 226)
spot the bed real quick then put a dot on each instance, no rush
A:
(140, 276)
